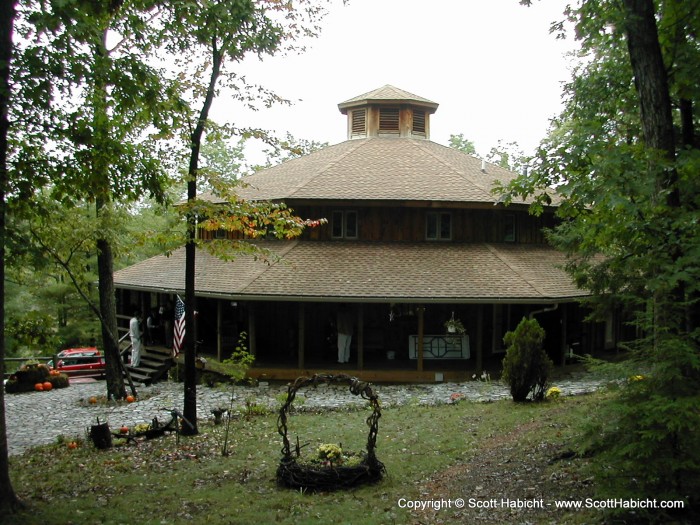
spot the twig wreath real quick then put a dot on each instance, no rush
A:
(329, 474)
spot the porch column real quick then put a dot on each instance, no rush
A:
(421, 331)
(360, 337)
(218, 330)
(479, 339)
(252, 345)
(302, 329)
(563, 320)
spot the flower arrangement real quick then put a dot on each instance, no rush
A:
(330, 452)
(553, 393)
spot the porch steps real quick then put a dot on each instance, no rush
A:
(154, 365)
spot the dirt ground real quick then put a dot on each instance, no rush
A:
(508, 468)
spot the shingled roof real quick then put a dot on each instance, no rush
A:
(387, 94)
(369, 271)
(379, 169)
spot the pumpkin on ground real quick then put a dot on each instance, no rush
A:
(47, 385)
(39, 387)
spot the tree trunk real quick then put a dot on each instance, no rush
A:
(108, 312)
(8, 498)
(651, 81)
(105, 259)
(190, 403)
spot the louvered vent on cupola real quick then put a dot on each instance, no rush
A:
(418, 123)
(389, 121)
(359, 123)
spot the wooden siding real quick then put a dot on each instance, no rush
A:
(404, 224)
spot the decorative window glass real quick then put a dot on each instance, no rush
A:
(438, 226)
(509, 228)
(389, 120)
(344, 224)
(359, 122)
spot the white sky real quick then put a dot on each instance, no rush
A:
(492, 65)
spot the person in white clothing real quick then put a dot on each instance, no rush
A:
(135, 336)
(345, 328)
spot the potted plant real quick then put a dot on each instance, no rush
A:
(454, 326)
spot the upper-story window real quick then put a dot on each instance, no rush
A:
(359, 123)
(389, 121)
(418, 122)
(438, 226)
(344, 224)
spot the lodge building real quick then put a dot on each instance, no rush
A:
(415, 237)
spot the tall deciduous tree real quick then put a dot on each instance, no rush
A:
(631, 196)
(219, 33)
(8, 498)
(87, 100)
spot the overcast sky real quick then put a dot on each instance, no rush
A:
(492, 65)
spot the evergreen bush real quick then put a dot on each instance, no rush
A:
(526, 366)
(646, 440)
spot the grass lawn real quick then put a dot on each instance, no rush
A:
(465, 450)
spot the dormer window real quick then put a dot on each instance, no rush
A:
(344, 224)
(438, 226)
(359, 123)
(389, 121)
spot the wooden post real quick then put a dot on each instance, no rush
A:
(218, 329)
(360, 337)
(421, 333)
(479, 339)
(564, 348)
(302, 336)
(252, 346)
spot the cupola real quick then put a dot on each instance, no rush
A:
(388, 112)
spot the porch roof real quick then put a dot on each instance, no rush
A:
(368, 271)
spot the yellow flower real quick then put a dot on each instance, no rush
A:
(553, 393)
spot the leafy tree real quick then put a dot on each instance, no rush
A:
(624, 157)
(290, 148)
(84, 81)
(508, 156)
(462, 144)
(8, 499)
(219, 33)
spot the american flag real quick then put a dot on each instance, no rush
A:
(179, 334)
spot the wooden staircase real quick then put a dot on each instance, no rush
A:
(154, 365)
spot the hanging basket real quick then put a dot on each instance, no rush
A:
(294, 473)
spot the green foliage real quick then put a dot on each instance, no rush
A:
(462, 144)
(630, 226)
(649, 432)
(526, 366)
(240, 361)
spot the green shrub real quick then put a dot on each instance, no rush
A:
(526, 366)
(645, 441)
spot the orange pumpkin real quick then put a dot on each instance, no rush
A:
(130, 399)
(72, 445)
(124, 430)
(47, 386)
(92, 400)
(39, 387)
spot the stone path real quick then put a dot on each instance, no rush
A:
(39, 418)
